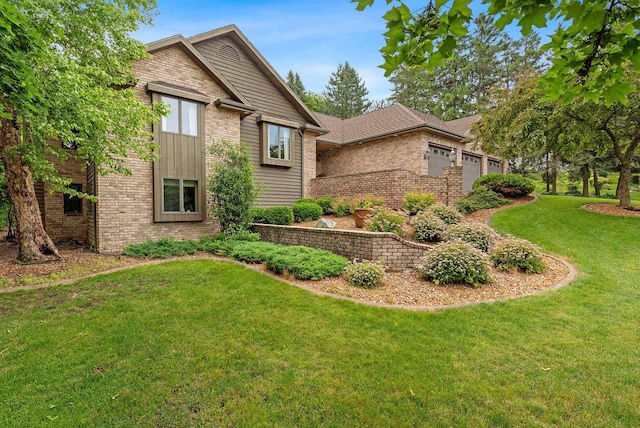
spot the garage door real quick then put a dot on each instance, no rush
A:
(470, 170)
(438, 159)
(494, 166)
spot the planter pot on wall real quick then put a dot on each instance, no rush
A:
(360, 214)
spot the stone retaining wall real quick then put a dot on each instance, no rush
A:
(396, 253)
(391, 185)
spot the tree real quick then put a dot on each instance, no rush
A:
(316, 102)
(588, 55)
(66, 65)
(346, 93)
(295, 83)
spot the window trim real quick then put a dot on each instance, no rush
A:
(182, 212)
(179, 114)
(265, 159)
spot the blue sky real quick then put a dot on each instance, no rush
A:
(310, 37)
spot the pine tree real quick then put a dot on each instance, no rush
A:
(295, 83)
(346, 93)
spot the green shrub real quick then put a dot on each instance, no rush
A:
(487, 198)
(274, 215)
(414, 202)
(454, 263)
(305, 263)
(509, 185)
(306, 211)
(520, 254)
(467, 206)
(163, 248)
(252, 252)
(364, 274)
(480, 236)
(385, 220)
(231, 185)
(428, 228)
(366, 201)
(325, 203)
(307, 200)
(572, 190)
(447, 214)
(635, 179)
(341, 207)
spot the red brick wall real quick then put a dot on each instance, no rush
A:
(391, 185)
(396, 253)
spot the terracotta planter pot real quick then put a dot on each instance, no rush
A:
(360, 214)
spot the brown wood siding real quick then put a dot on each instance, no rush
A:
(281, 186)
(91, 206)
(39, 188)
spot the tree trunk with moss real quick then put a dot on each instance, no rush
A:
(34, 245)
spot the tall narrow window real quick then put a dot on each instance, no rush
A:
(171, 123)
(72, 205)
(279, 142)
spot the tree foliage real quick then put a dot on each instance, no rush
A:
(295, 83)
(66, 65)
(588, 50)
(346, 93)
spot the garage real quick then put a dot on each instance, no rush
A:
(494, 166)
(438, 159)
(470, 170)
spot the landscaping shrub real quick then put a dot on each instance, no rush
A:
(480, 236)
(447, 214)
(572, 190)
(414, 202)
(428, 227)
(509, 185)
(467, 206)
(635, 179)
(364, 274)
(308, 200)
(325, 203)
(252, 252)
(366, 201)
(341, 207)
(274, 215)
(520, 254)
(162, 248)
(305, 263)
(306, 211)
(231, 185)
(385, 220)
(454, 263)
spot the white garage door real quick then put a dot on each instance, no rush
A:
(438, 159)
(494, 166)
(470, 170)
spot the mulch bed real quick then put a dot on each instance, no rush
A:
(613, 209)
(401, 289)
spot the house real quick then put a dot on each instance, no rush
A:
(219, 87)
(396, 149)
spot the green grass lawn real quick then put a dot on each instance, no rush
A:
(206, 343)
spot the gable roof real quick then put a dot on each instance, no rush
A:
(179, 41)
(463, 125)
(391, 120)
(269, 71)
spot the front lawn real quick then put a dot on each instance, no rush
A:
(205, 343)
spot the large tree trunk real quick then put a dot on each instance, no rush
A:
(34, 243)
(624, 184)
(585, 180)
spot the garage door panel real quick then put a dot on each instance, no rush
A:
(494, 166)
(438, 159)
(470, 170)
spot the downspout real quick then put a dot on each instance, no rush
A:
(302, 156)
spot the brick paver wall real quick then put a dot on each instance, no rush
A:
(395, 252)
(391, 185)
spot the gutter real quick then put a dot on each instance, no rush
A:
(302, 157)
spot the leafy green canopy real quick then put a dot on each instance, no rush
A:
(66, 65)
(589, 50)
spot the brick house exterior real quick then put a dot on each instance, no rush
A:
(222, 80)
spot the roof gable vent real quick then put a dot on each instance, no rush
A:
(229, 52)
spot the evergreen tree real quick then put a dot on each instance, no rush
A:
(295, 83)
(346, 93)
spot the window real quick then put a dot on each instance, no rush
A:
(182, 117)
(179, 196)
(279, 142)
(278, 138)
(72, 205)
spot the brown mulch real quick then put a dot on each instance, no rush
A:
(400, 289)
(612, 209)
(77, 261)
